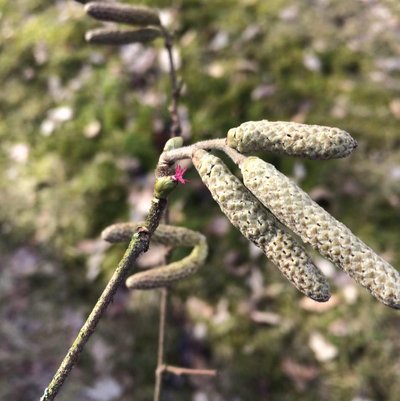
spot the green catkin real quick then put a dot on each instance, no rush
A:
(114, 12)
(165, 235)
(259, 226)
(315, 226)
(166, 275)
(107, 36)
(289, 138)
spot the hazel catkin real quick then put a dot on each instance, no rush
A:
(167, 235)
(259, 226)
(323, 232)
(162, 276)
(308, 141)
(112, 36)
(164, 235)
(126, 14)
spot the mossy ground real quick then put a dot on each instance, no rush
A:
(81, 128)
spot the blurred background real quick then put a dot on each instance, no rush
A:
(81, 128)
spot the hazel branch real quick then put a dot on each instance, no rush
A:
(174, 141)
(178, 371)
(139, 244)
(176, 87)
(161, 343)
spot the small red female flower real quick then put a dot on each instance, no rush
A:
(178, 176)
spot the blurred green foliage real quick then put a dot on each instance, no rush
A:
(81, 128)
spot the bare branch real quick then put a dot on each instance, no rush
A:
(186, 152)
(176, 87)
(178, 371)
(139, 244)
(161, 343)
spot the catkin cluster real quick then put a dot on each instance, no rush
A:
(258, 225)
(314, 225)
(294, 208)
(267, 207)
(164, 235)
(146, 18)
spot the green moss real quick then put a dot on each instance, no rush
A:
(71, 187)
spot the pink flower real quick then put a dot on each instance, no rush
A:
(178, 176)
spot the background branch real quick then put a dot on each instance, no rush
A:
(178, 371)
(161, 343)
(175, 130)
(176, 87)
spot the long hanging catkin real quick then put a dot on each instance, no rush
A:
(309, 141)
(259, 226)
(314, 225)
(162, 276)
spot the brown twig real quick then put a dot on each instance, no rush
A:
(179, 371)
(176, 87)
(175, 130)
(139, 244)
(161, 343)
(186, 152)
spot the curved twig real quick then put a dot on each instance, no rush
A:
(186, 152)
(139, 243)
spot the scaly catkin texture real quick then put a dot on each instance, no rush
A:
(126, 14)
(309, 141)
(314, 225)
(259, 226)
(165, 235)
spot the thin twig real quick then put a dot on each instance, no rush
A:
(175, 130)
(176, 87)
(161, 343)
(139, 244)
(186, 152)
(178, 371)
